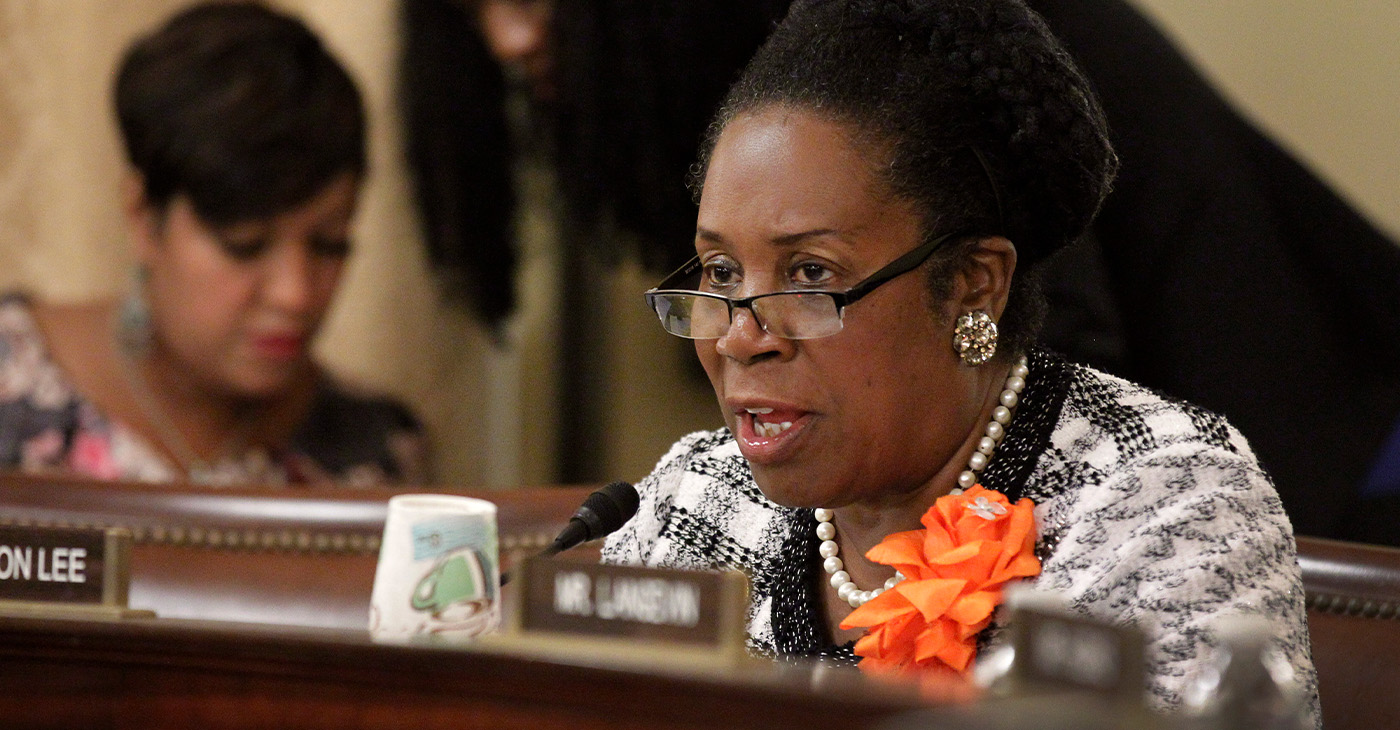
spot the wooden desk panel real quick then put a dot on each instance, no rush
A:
(306, 556)
(170, 674)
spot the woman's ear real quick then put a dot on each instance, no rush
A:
(986, 277)
(143, 220)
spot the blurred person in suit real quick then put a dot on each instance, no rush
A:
(246, 144)
(1223, 271)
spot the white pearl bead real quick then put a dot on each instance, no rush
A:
(1015, 383)
(967, 479)
(892, 582)
(856, 599)
(1020, 370)
(876, 593)
(995, 430)
(822, 514)
(978, 461)
(826, 530)
(840, 578)
(845, 591)
(987, 445)
(1008, 398)
(829, 548)
(1002, 415)
(833, 564)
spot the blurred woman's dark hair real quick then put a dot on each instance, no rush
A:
(637, 81)
(240, 108)
(989, 131)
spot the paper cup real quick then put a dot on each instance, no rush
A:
(438, 571)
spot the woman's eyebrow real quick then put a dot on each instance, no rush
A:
(790, 239)
(783, 240)
(708, 235)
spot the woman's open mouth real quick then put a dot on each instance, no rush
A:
(767, 434)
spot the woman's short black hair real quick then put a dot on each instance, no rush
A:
(240, 108)
(975, 110)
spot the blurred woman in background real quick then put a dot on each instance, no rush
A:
(246, 140)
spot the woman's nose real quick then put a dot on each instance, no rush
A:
(291, 284)
(747, 342)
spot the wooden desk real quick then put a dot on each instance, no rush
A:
(307, 556)
(162, 673)
(262, 597)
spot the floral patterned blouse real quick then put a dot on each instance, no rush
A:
(46, 425)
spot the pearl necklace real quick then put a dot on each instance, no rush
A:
(996, 428)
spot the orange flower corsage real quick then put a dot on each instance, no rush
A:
(954, 569)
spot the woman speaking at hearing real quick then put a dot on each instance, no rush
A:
(875, 195)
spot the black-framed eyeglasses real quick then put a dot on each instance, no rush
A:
(793, 315)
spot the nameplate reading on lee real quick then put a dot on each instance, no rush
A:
(623, 601)
(58, 565)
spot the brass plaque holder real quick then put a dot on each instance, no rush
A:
(116, 583)
(80, 611)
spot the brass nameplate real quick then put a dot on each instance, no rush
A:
(72, 567)
(698, 609)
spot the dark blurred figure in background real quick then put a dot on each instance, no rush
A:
(1303, 353)
(246, 140)
(602, 104)
(1302, 358)
(617, 92)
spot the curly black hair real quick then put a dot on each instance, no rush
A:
(637, 81)
(459, 154)
(978, 115)
(240, 108)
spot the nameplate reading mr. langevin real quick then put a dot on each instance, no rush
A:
(64, 566)
(701, 609)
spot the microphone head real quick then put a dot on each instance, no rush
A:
(613, 505)
(601, 513)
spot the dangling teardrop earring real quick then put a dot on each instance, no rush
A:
(134, 333)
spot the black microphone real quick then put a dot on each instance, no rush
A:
(601, 513)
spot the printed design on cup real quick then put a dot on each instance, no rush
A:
(438, 571)
(455, 594)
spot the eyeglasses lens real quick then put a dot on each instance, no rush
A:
(677, 313)
(790, 315)
(798, 315)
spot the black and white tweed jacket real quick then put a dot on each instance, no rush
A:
(1148, 511)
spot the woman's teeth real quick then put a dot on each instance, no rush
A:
(767, 430)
